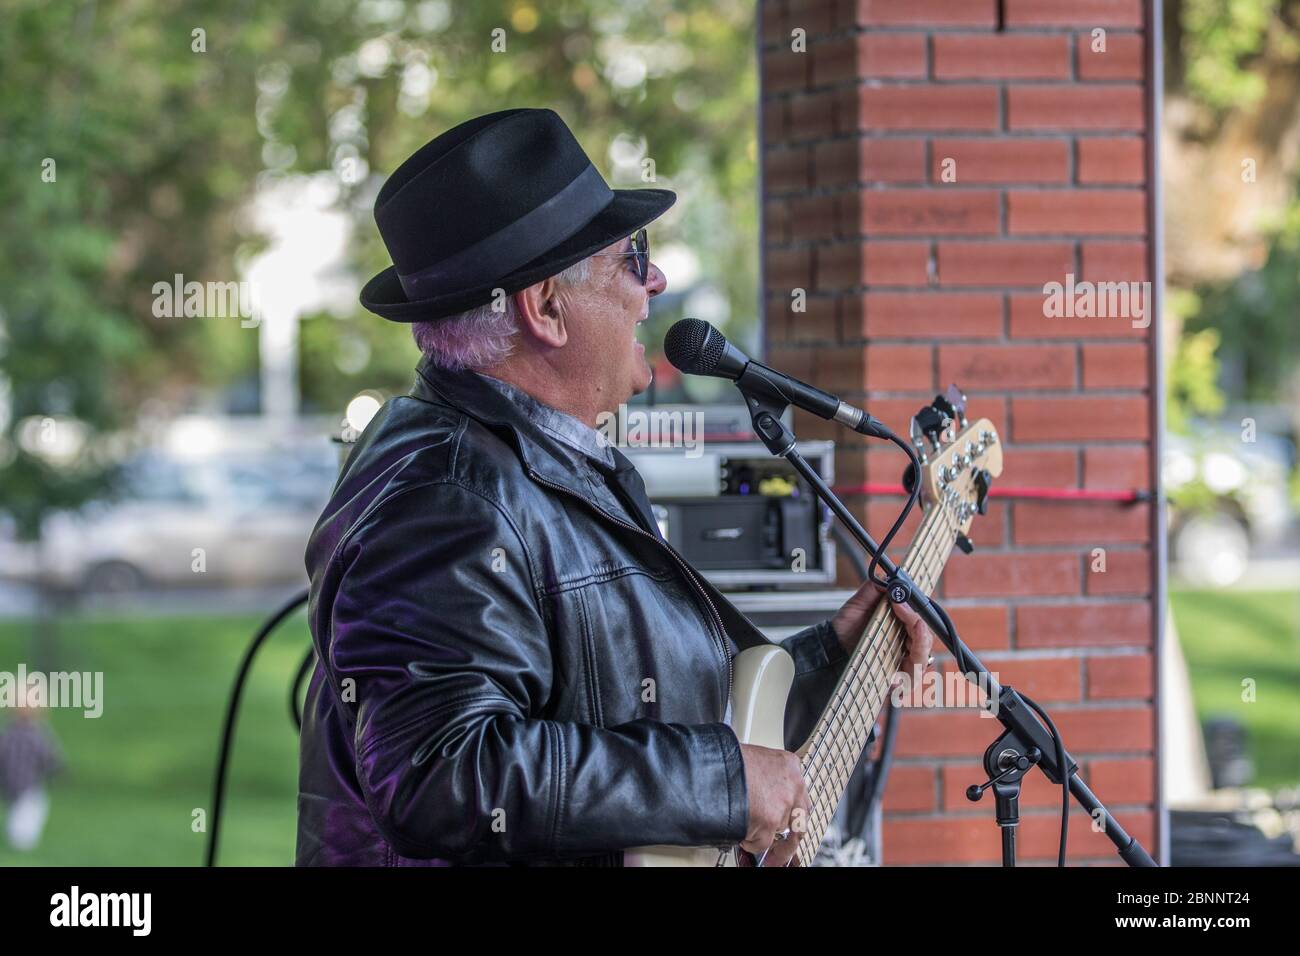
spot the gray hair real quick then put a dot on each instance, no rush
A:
(483, 336)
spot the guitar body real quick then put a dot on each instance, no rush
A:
(762, 680)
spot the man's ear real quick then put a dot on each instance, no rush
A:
(540, 313)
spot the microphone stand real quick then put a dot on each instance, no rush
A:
(1025, 742)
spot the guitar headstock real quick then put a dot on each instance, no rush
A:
(959, 459)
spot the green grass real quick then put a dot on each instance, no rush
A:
(136, 773)
(1228, 636)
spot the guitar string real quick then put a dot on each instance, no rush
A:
(837, 769)
(871, 654)
(833, 720)
(849, 702)
(821, 812)
(849, 707)
(823, 808)
(928, 536)
(824, 757)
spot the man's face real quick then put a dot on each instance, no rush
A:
(602, 315)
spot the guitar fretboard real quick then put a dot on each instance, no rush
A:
(840, 735)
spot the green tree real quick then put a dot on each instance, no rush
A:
(130, 143)
(160, 136)
(1231, 151)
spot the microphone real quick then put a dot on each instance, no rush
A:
(697, 348)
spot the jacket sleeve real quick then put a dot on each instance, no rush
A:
(448, 658)
(818, 663)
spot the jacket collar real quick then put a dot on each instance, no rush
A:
(564, 428)
(549, 446)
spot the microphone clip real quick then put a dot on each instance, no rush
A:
(899, 589)
(768, 425)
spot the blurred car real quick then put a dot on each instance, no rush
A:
(179, 522)
(1227, 497)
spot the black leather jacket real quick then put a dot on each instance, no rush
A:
(510, 670)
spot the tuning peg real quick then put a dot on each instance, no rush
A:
(957, 401)
(982, 481)
(931, 421)
(918, 441)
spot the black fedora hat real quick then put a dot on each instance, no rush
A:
(499, 202)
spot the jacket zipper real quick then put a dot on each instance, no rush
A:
(690, 573)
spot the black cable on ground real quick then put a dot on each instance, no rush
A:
(232, 711)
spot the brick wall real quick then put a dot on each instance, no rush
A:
(913, 281)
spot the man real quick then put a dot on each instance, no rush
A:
(514, 666)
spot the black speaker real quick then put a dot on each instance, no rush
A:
(741, 516)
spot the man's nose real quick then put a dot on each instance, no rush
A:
(655, 281)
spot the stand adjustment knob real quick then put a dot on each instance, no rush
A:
(1017, 763)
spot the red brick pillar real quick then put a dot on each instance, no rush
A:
(928, 167)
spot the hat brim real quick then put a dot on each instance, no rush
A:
(629, 211)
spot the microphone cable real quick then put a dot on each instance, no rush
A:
(912, 499)
(1065, 774)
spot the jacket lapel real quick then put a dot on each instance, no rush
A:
(544, 458)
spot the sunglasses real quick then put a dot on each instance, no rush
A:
(641, 252)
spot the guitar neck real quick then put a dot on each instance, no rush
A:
(840, 735)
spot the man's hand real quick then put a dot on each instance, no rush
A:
(776, 792)
(851, 620)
